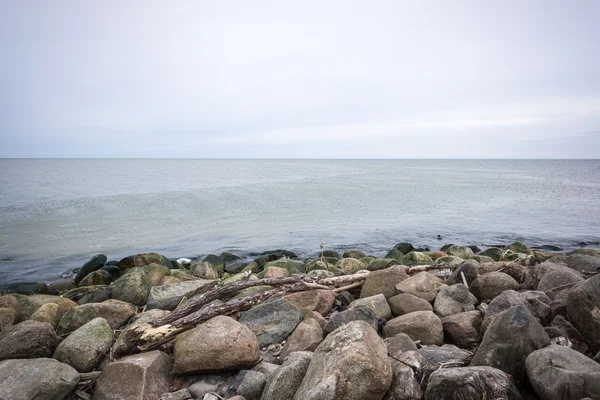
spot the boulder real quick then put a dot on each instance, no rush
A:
(8, 317)
(272, 321)
(579, 262)
(459, 251)
(28, 339)
(416, 258)
(436, 254)
(476, 383)
(356, 314)
(291, 266)
(399, 343)
(485, 268)
(469, 268)
(350, 265)
(219, 344)
(406, 303)
(383, 282)
(556, 283)
(94, 264)
(319, 300)
(351, 363)
(395, 254)
(381, 263)
(510, 338)
(317, 317)
(86, 347)
(306, 337)
(285, 381)
(248, 384)
(463, 329)
(144, 259)
(493, 252)
(156, 273)
(56, 288)
(168, 297)
(138, 377)
(204, 270)
(357, 254)
(39, 379)
(207, 383)
(449, 260)
(27, 305)
(377, 303)
(405, 385)
(404, 247)
(275, 272)
(419, 325)
(423, 285)
(133, 287)
(453, 300)
(115, 312)
(568, 331)
(482, 259)
(120, 347)
(490, 285)
(518, 247)
(182, 275)
(182, 394)
(100, 277)
(50, 313)
(583, 309)
(96, 294)
(558, 372)
(536, 302)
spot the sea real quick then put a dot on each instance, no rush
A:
(57, 213)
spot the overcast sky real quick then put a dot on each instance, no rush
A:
(323, 79)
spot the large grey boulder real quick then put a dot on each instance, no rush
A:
(285, 381)
(579, 262)
(510, 338)
(473, 383)
(490, 285)
(50, 312)
(556, 282)
(405, 303)
(133, 287)
(463, 329)
(536, 302)
(405, 385)
(87, 346)
(138, 377)
(39, 379)
(94, 264)
(377, 303)
(558, 372)
(115, 312)
(359, 313)
(583, 309)
(220, 343)
(419, 325)
(272, 321)
(423, 285)
(383, 282)
(351, 363)
(453, 300)
(8, 317)
(320, 300)
(28, 339)
(306, 337)
(249, 384)
(469, 268)
(167, 297)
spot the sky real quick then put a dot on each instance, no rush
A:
(300, 79)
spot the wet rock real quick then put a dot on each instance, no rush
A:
(469, 268)
(50, 313)
(419, 325)
(39, 379)
(356, 314)
(453, 300)
(28, 339)
(306, 337)
(463, 329)
(381, 263)
(399, 343)
(144, 259)
(558, 372)
(423, 285)
(94, 264)
(319, 300)
(249, 384)
(459, 251)
(490, 285)
(286, 380)
(476, 383)
(416, 258)
(56, 288)
(395, 254)
(350, 265)
(406, 303)
(86, 347)
(133, 287)
(168, 297)
(510, 338)
(351, 363)
(100, 277)
(536, 302)
(556, 283)
(404, 247)
(383, 282)
(357, 254)
(377, 303)
(115, 312)
(272, 321)
(493, 252)
(583, 310)
(204, 270)
(219, 344)
(141, 376)
(8, 317)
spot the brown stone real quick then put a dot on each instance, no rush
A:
(419, 325)
(320, 300)
(306, 337)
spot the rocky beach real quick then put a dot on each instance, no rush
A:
(509, 322)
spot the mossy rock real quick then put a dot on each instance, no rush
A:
(350, 265)
(585, 251)
(494, 253)
(509, 255)
(459, 251)
(182, 275)
(204, 270)
(404, 247)
(474, 248)
(156, 273)
(133, 287)
(381, 263)
(318, 264)
(416, 258)
(540, 256)
(99, 277)
(446, 247)
(292, 266)
(436, 254)
(518, 247)
(94, 264)
(482, 259)
(366, 260)
(452, 260)
(357, 254)
(395, 254)
(262, 273)
(113, 270)
(228, 257)
(320, 274)
(217, 262)
(331, 254)
(238, 266)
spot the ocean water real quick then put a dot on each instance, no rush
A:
(56, 213)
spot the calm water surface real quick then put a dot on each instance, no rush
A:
(55, 214)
